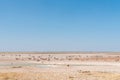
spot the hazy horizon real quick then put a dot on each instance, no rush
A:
(60, 25)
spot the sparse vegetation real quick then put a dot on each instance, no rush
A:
(32, 66)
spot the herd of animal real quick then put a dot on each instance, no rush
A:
(60, 57)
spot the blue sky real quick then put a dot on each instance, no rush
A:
(59, 25)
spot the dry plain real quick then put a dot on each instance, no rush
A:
(59, 66)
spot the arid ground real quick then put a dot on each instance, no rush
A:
(59, 66)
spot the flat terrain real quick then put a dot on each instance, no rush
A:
(59, 66)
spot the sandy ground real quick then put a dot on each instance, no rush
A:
(59, 66)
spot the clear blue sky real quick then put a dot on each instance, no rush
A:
(59, 25)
